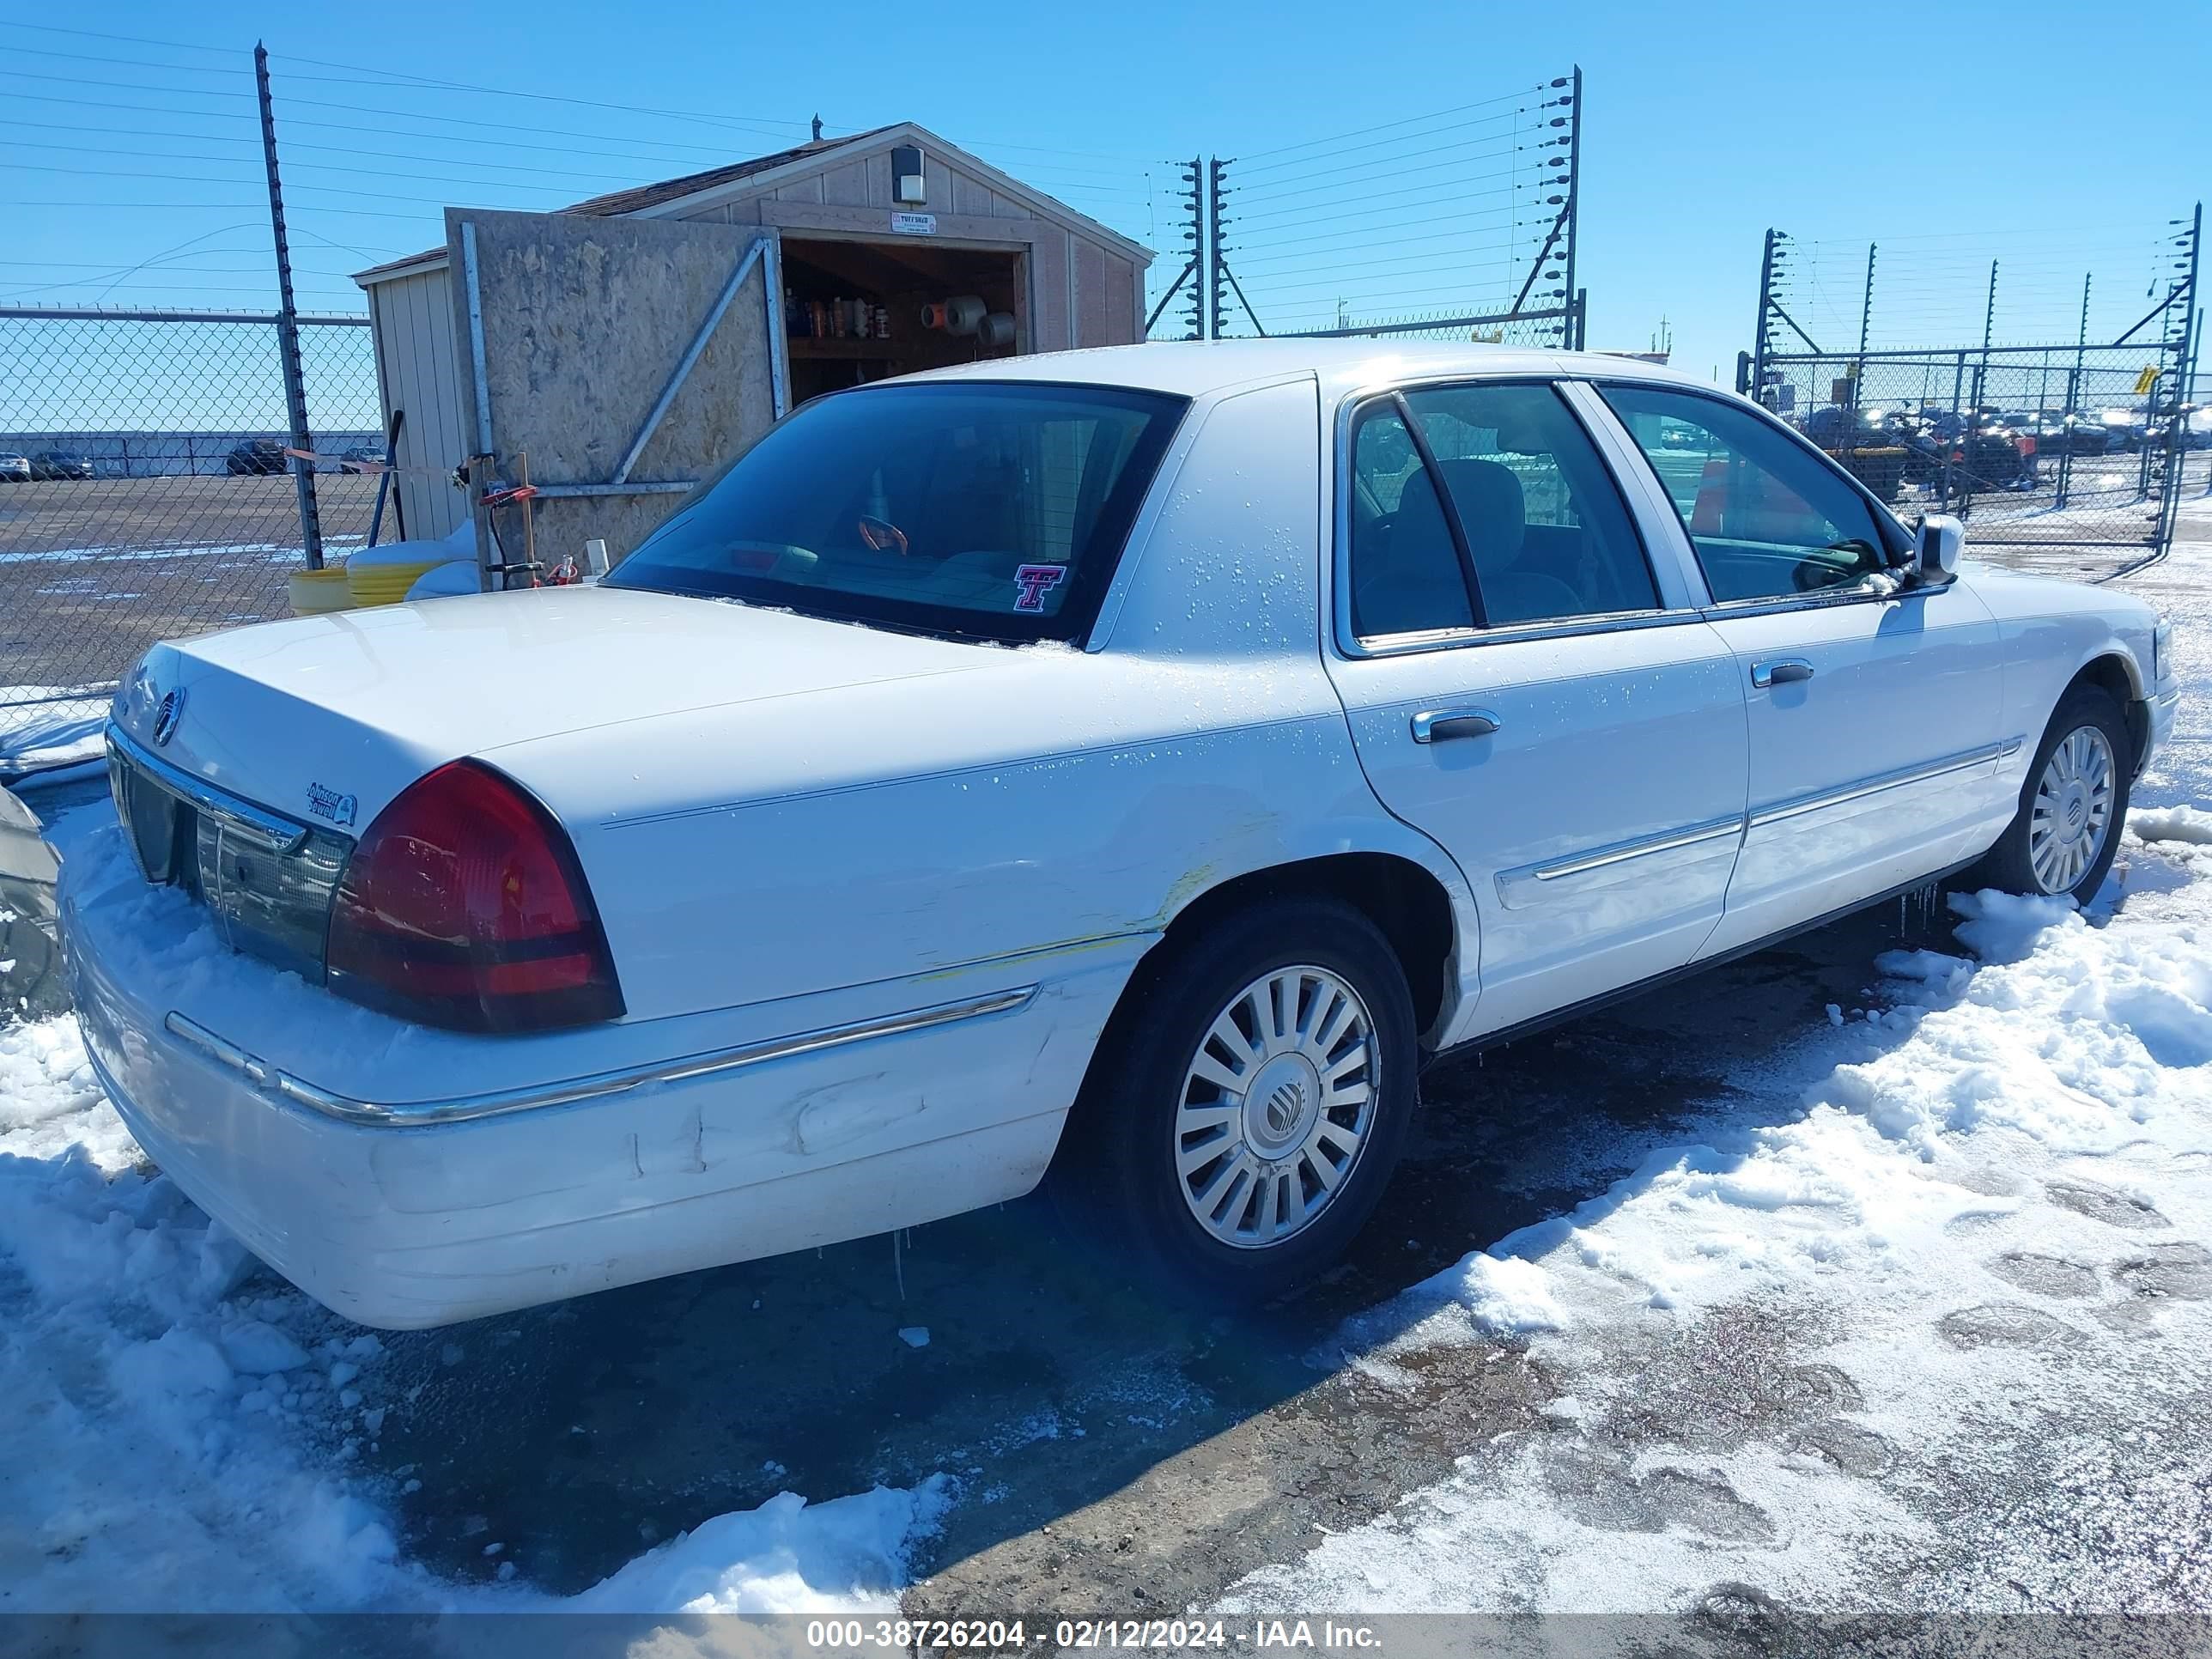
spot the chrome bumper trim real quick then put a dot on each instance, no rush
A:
(1985, 756)
(416, 1114)
(283, 834)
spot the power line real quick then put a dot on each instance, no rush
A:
(1361, 132)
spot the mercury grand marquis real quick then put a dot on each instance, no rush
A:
(1133, 765)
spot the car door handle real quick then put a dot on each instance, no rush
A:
(1783, 671)
(1436, 725)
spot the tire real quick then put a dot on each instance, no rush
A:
(2053, 865)
(1144, 1103)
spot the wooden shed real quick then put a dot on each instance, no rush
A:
(620, 349)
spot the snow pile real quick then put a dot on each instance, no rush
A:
(1991, 1189)
(787, 1556)
(46, 725)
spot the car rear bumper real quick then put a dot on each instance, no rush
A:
(402, 1223)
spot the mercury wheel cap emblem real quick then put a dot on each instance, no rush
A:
(2072, 812)
(1277, 1104)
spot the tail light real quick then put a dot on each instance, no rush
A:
(463, 906)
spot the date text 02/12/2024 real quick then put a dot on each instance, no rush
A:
(1009, 1635)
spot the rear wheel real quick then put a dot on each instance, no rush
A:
(2064, 836)
(1245, 1112)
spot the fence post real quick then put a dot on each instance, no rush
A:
(1759, 339)
(287, 324)
(2074, 399)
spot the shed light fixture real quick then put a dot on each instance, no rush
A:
(908, 188)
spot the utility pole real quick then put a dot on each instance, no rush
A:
(1757, 389)
(287, 323)
(1194, 176)
(1574, 328)
(1866, 320)
(1218, 255)
(1216, 298)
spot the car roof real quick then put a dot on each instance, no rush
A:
(1194, 368)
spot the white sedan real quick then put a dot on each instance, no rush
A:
(1137, 763)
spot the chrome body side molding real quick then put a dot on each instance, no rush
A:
(1880, 783)
(1520, 885)
(463, 1108)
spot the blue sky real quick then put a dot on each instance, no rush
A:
(2046, 136)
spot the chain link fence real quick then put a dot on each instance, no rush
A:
(2071, 459)
(145, 494)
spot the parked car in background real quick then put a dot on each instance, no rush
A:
(255, 457)
(360, 457)
(2083, 435)
(14, 469)
(1007, 768)
(53, 463)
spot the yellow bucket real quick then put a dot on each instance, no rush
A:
(315, 593)
(384, 584)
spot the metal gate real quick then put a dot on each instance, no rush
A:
(2072, 458)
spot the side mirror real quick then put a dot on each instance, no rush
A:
(1935, 548)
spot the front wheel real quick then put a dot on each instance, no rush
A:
(2062, 839)
(1244, 1113)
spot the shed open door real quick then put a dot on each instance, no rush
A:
(623, 359)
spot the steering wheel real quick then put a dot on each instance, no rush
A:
(882, 535)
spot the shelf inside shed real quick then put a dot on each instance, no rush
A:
(900, 277)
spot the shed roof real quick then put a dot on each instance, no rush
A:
(644, 199)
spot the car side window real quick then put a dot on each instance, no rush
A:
(1768, 520)
(1406, 575)
(1545, 527)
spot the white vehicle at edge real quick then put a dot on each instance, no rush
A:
(1141, 758)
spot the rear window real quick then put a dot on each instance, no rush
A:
(995, 510)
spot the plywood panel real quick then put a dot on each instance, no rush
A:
(847, 185)
(1092, 325)
(1122, 319)
(969, 195)
(586, 319)
(1048, 288)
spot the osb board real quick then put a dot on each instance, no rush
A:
(585, 319)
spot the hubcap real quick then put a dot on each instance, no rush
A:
(1277, 1106)
(2072, 812)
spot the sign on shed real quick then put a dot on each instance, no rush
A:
(623, 357)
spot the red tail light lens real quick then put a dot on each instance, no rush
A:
(463, 906)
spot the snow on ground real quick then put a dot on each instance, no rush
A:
(49, 726)
(181, 1427)
(1916, 1323)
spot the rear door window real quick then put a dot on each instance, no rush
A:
(1545, 525)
